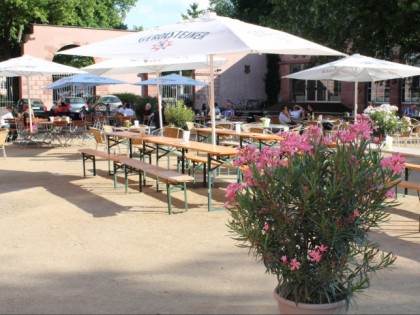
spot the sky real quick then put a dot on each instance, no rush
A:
(152, 13)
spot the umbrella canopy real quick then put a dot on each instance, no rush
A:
(357, 68)
(157, 66)
(141, 65)
(172, 79)
(27, 66)
(84, 79)
(208, 35)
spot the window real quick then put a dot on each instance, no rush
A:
(379, 92)
(314, 90)
(410, 90)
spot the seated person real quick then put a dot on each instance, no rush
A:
(410, 111)
(229, 112)
(129, 111)
(147, 109)
(284, 116)
(26, 119)
(309, 112)
(297, 112)
(147, 113)
(204, 110)
(6, 114)
(121, 109)
(62, 110)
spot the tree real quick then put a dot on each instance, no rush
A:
(16, 17)
(380, 28)
(193, 12)
(223, 7)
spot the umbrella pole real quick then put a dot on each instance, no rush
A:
(159, 99)
(211, 101)
(29, 104)
(356, 84)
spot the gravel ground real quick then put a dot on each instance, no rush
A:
(74, 245)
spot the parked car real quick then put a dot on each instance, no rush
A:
(37, 105)
(74, 104)
(99, 103)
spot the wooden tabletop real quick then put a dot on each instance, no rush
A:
(213, 149)
(242, 134)
(404, 151)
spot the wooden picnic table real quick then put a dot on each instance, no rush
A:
(214, 152)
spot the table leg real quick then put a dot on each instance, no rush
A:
(209, 181)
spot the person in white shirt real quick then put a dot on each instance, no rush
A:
(284, 116)
(297, 112)
(128, 111)
(122, 109)
(6, 114)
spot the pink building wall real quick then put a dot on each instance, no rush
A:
(46, 40)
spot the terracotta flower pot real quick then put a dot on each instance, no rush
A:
(290, 307)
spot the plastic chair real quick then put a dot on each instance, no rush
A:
(171, 132)
(274, 119)
(227, 140)
(256, 129)
(147, 120)
(78, 131)
(296, 129)
(99, 138)
(61, 131)
(138, 144)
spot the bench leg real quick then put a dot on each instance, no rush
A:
(125, 178)
(86, 157)
(168, 195)
(84, 168)
(184, 186)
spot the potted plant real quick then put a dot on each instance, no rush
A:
(384, 118)
(304, 209)
(179, 115)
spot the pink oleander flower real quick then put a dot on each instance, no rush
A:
(294, 264)
(390, 194)
(396, 162)
(315, 255)
(232, 190)
(266, 227)
(322, 248)
(284, 259)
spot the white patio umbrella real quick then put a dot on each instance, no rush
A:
(157, 66)
(357, 68)
(27, 66)
(208, 35)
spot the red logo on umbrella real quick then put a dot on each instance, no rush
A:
(162, 45)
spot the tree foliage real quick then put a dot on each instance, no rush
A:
(193, 12)
(378, 28)
(16, 17)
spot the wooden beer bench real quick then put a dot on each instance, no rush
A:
(171, 178)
